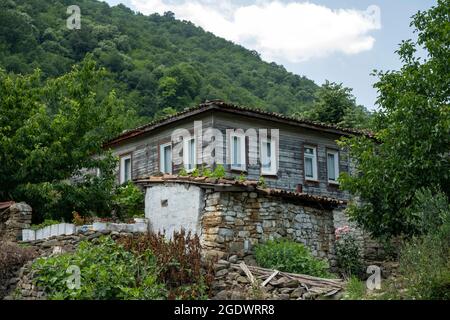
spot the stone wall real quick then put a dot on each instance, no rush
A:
(13, 220)
(234, 222)
(370, 249)
(21, 286)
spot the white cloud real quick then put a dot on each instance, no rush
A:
(295, 31)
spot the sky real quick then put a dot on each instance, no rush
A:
(337, 40)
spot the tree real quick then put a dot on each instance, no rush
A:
(335, 104)
(50, 131)
(412, 140)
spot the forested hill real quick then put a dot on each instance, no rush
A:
(155, 61)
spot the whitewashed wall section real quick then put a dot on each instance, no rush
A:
(140, 225)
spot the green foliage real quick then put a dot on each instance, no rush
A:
(182, 172)
(412, 127)
(179, 262)
(428, 210)
(153, 62)
(46, 223)
(355, 289)
(262, 182)
(128, 200)
(424, 266)
(49, 132)
(290, 256)
(242, 177)
(107, 272)
(335, 104)
(348, 256)
(219, 172)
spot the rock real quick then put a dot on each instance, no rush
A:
(286, 290)
(242, 279)
(221, 273)
(13, 280)
(284, 296)
(233, 259)
(237, 295)
(222, 295)
(297, 293)
(291, 283)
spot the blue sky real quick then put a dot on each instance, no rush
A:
(339, 40)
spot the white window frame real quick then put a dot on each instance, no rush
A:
(186, 154)
(314, 162)
(242, 162)
(336, 165)
(273, 158)
(122, 168)
(162, 160)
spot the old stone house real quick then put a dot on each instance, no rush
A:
(303, 156)
(299, 160)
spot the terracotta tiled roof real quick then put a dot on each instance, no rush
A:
(246, 185)
(5, 205)
(232, 108)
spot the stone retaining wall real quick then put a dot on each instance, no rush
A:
(234, 222)
(13, 220)
(21, 285)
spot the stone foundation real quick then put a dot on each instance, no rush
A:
(13, 220)
(234, 222)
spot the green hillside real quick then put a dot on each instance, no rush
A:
(155, 61)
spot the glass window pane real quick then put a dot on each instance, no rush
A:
(191, 153)
(309, 150)
(168, 159)
(309, 167)
(236, 151)
(127, 169)
(267, 157)
(331, 168)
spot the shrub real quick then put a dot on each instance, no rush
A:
(128, 201)
(348, 255)
(355, 289)
(107, 270)
(219, 172)
(46, 223)
(179, 261)
(290, 256)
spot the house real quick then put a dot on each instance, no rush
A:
(290, 154)
(300, 161)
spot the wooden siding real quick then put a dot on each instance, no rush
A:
(145, 151)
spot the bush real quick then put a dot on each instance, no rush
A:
(178, 260)
(128, 201)
(424, 262)
(107, 270)
(348, 255)
(355, 289)
(12, 257)
(46, 223)
(290, 256)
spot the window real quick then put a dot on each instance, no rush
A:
(332, 166)
(310, 163)
(237, 153)
(125, 168)
(189, 154)
(165, 158)
(268, 157)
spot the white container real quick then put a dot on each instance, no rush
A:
(100, 226)
(46, 232)
(28, 235)
(69, 228)
(39, 234)
(54, 228)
